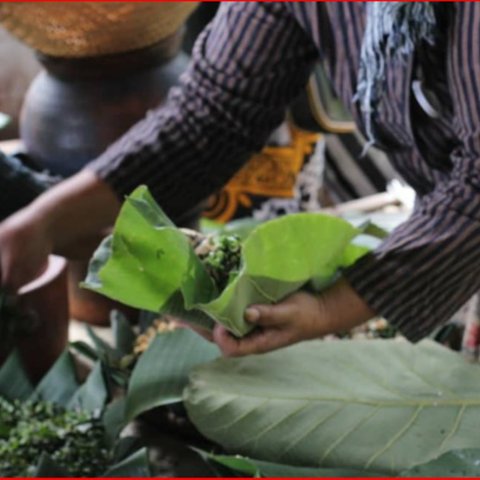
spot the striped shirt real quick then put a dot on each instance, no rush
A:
(250, 63)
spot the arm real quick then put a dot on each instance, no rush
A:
(429, 266)
(247, 66)
(66, 220)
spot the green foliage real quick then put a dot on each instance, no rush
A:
(73, 440)
(150, 264)
(14, 382)
(161, 373)
(377, 405)
(61, 428)
(60, 383)
(236, 465)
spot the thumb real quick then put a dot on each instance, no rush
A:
(269, 315)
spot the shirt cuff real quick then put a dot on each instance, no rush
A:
(423, 273)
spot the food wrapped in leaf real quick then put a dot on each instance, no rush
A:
(220, 255)
(150, 264)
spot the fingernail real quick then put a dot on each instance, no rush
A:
(252, 314)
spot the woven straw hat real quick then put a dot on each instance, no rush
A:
(90, 29)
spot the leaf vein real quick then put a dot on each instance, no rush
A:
(355, 427)
(455, 426)
(309, 431)
(395, 438)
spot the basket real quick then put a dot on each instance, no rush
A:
(90, 29)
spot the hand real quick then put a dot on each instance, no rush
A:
(66, 220)
(297, 318)
(24, 248)
(302, 316)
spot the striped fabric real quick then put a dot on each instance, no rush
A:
(348, 174)
(253, 59)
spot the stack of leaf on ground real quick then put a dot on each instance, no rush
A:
(374, 407)
(61, 428)
(350, 407)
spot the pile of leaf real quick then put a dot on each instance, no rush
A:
(150, 264)
(62, 428)
(341, 408)
(32, 429)
(318, 409)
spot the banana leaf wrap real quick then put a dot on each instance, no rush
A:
(150, 264)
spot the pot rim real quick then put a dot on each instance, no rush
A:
(56, 266)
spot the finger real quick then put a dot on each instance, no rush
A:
(271, 315)
(258, 341)
(225, 340)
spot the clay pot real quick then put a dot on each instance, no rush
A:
(76, 107)
(45, 301)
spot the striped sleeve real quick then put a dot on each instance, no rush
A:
(247, 66)
(430, 266)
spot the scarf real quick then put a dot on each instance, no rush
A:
(393, 29)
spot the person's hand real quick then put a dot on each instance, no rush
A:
(302, 316)
(67, 220)
(297, 318)
(24, 248)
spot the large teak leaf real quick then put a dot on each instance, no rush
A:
(457, 463)
(379, 405)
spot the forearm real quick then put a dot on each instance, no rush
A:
(229, 101)
(75, 212)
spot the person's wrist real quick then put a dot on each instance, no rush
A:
(78, 208)
(341, 309)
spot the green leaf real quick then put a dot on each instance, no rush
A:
(136, 465)
(84, 349)
(114, 420)
(241, 227)
(124, 447)
(161, 373)
(372, 229)
(280, 257)
(148, 259)
(47, 468)
(14, 382)
(122, 333)
(150, 264)
(60, 383)
(106, 353)
(93, 394)
(379, 405)
(457, 463)
(256, 468)
(230, 465)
